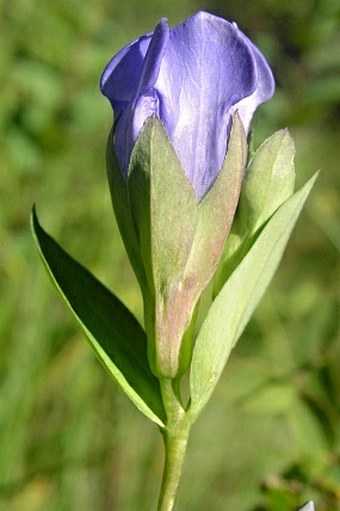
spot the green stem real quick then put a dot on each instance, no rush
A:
(175, 434)
(175, 447)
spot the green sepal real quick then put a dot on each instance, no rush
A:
(217, 208)
(180, 239)
(164, 212)
(114, 334)
(163, 206)
(215, 216)
(121, 207)
(235, 303)
(269, 181)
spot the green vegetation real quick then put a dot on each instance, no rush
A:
(69, 439)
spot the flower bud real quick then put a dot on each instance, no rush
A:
(183, 99)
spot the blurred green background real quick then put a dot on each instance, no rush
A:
(69, 439)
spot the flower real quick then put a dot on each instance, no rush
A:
(193, 77)
(181, 99)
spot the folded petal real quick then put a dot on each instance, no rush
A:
(264, 89)
(120, 79)
(128, 81)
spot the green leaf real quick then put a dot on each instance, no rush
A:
(114, 333)
(238, 298)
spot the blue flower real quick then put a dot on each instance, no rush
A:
(193, 77)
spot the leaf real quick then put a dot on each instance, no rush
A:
(238, 298)
(113, 332)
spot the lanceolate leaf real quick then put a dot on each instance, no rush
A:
(113, 332)
(238, 298)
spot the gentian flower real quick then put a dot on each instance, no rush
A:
(183, 100)
(193, 77)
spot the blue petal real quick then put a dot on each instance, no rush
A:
(206, 69)
(120, 79)
(264, 89)
(193, 77)
(128, 81)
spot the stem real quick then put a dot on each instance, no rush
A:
(175, 447)
(175, 434)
